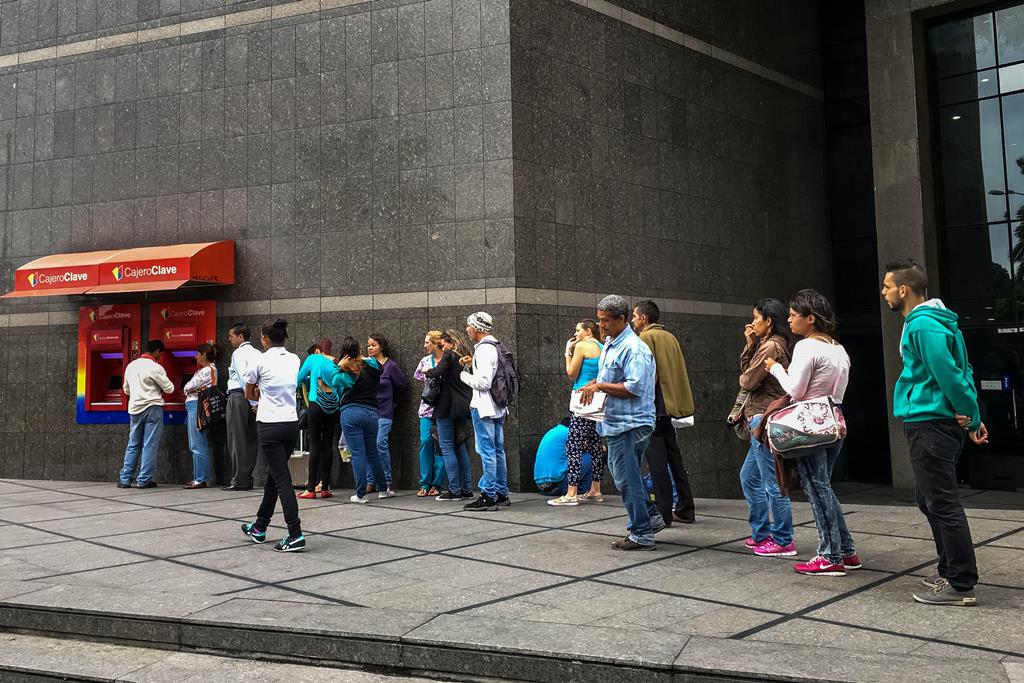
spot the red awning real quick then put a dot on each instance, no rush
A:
(144, 269)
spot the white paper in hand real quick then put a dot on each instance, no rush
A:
(592, 411)
(682, 422)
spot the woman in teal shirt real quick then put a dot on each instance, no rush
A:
(582, 357)
(318, 373)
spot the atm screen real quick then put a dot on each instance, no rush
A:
(115, 383)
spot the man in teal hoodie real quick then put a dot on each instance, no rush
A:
(937, 401)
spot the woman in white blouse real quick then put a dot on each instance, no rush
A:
(205, 377)
(272, 381)
(820, 367)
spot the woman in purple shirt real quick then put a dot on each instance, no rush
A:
(393, 386)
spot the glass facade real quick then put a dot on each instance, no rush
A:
(976, 72)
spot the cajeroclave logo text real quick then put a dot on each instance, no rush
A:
(134, 273)
(68, 276)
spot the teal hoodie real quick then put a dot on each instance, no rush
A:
(937, 381)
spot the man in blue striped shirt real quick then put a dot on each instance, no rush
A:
(626, 376)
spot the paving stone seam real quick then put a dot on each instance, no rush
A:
(855, 591)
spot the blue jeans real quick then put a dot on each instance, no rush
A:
(834, 540)
(359, 423)
(625, 458)
(431, 460)
(456, 458)
(383, 430)
(197, 443)
(144, 432)
(757, 477)
(490, 444)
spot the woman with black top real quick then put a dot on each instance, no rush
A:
(358, 382)
(451, 412)
(272, 382)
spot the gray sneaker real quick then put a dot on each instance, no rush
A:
(934, 581)
(945, 594)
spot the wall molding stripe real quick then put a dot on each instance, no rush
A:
(494, 296)
(300, 7)
(184, 28)
(697, 45)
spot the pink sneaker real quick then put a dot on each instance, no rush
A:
(819, 566)
(772, 549)
(852, 562)
(751, 543)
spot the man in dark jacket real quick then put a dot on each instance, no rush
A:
(673, 398)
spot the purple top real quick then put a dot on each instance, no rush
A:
(393, 385)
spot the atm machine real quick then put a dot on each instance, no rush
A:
(108, 339)
(182, 326)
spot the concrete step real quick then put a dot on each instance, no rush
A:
(38, 658)
(457, 646)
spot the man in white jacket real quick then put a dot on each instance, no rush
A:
(488, 418)
(145, 383)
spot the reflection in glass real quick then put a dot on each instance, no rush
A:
(980, 274)
(961, 46)
(1011, 78)
(1010, 34)
(972, 163)
(1013, 129)
(967, 87)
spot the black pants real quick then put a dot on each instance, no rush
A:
(663, 456)
(934, 448)
(277, 441)
(323, 433)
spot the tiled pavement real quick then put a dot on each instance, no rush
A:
(530, 582)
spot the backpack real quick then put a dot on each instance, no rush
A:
(505, 384)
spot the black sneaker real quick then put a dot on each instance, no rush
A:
(467, 495)
(122, 485)
(447, 497)
(148, 485)
(255, 534)
(292, 544)
(482, 504)
(503, 501)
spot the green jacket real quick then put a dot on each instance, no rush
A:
(672, 391)
(937, 381)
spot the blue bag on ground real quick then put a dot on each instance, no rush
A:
(649, 486)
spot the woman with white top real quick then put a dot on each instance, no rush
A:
(272, 381)
(819, 367)
(204, 378)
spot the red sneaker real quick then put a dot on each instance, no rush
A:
(819, 566)
(852, 562)
(751, 543)
(325, 493)
(772, 549)
(306, 495)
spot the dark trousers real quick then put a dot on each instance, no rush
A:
(322, 436)
(665, 463)
(934, 448)
(241, 437)
(277, 440)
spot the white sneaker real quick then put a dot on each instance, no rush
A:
(386, 494)
(564, 500)
(357, 499)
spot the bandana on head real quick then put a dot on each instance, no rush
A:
(481, 321)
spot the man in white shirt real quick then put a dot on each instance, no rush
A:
(488, 418)
(241, 413)
(145, 383)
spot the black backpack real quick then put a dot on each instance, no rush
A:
(505, 384)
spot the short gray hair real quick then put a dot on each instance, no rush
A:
(615, 305)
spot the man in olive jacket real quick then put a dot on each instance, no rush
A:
(672, 398)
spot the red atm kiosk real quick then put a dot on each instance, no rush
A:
(108, 339)
(182, 326)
